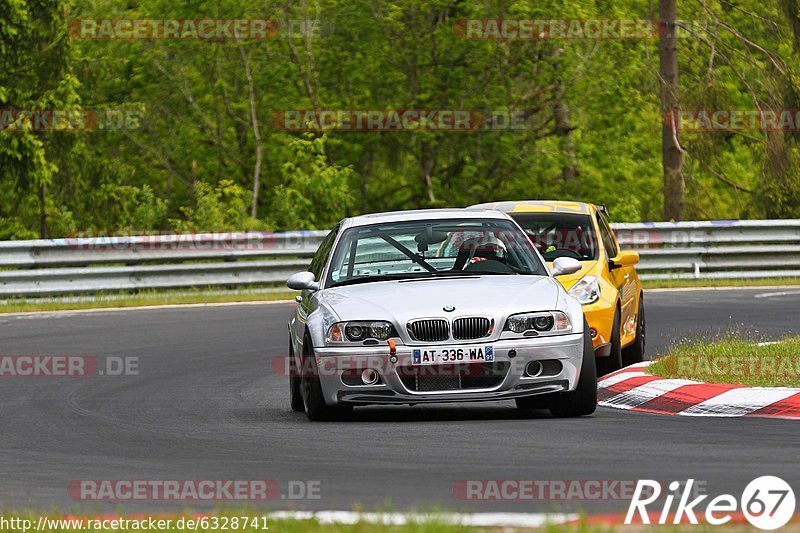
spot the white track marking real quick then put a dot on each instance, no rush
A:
(618, 378)
(528, 520)
(731, 403)
(644, 393)
(775, 294)
(739, 402)
(725, 288)
(632, 371)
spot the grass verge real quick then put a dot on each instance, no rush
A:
(144, 298)
(736, 360)
(700, 283)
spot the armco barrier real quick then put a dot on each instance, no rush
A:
(679, 250)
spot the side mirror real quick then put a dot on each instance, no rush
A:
(302, 281)
(566, 265)
(625, 259)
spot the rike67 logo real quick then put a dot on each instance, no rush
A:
(767, 503)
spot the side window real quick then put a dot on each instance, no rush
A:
(607, 236)
(321, 257)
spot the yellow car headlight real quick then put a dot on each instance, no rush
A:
(587, 290)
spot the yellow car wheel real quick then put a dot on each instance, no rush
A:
(635, 352)
(612, 362)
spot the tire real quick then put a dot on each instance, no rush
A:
(313, 399)
(635, 352)
(583, 400)
(606, 365)
(295, 394)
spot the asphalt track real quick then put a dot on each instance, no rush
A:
(206, 405)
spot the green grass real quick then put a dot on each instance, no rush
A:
(692, 283)
(735, 359)
(144, 298)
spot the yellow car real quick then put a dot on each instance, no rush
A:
(607, 286)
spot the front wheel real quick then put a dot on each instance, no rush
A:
(635, 352)
(295, 394)
(613, 362)
(315, 406)
(583, 400)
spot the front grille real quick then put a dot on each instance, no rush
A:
(471, 328)
(453, 377)
(429, 330)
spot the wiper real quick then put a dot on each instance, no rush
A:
(491, 273)
(420, 276)
(451, 273)
(368, 279)
(440, 274)
(467, 273)
(457, 274)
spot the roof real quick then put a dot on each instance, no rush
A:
(538, 206)
(422, 214)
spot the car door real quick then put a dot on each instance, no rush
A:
(622, 277)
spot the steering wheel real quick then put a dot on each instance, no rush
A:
(561, 252)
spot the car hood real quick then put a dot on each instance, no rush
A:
(571, 279)
(400, 301)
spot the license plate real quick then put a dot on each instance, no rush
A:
(453, 355)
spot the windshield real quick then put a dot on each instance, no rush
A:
(432, 248)
(560, 235)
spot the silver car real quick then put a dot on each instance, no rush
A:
(443, 305)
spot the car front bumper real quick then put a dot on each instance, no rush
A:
(565, 352)
(600, 317)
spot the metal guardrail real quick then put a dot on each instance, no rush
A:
(680, 250)
(729, 249)
(82, 251)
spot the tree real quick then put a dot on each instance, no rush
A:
(671, 151)
(36, 77)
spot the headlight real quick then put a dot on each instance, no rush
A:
(546, 322)
(360, 331)
(587, 290)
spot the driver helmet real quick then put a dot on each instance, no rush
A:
(492, 247)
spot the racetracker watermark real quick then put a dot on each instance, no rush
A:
(301, 242)
(121, 490)
(476, 364)
(193, 29)
(744, 366)
(706, 120)
(578, 239)
(658, 238)
(72, 120)
(513, 29)
(67, 366)
(544, 489)
(387, 120)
